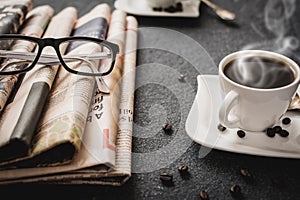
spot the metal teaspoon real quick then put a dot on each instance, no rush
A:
(221, 12)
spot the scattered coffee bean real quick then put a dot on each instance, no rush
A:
(235, 189)
(181, 77)
(286, 120)
(241, 133)
(203, 195)
(179, 7)
(245, 172)
(277, 129)
(284, 133)
(183, 168)
(164, 176)
(170, 9)
(221, 127)
(270, 132)
(167, 127)
(158, 9)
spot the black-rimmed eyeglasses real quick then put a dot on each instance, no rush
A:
(84, 55)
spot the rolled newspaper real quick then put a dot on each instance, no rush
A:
(10, 21)
(124, 136)
(12, 14)
(104, 116)
(36, 22)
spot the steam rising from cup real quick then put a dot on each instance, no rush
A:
(277, 18)
(259, 72)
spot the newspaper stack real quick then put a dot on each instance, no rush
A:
(82, 135)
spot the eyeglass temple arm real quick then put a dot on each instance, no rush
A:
(102, 86)
(51, 59)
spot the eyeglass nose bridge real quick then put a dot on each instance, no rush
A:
(49, 42)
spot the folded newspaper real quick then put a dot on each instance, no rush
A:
(12, 16)
(80, 139)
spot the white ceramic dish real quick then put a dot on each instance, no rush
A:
(140, 7)
(202, 122)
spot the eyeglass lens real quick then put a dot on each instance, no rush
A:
(86, 56)
(14, 54)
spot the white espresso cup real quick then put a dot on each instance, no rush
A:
(257, 87)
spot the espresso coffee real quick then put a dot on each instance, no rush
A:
(259, 72)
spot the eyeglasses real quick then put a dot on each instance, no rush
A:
(85, 55)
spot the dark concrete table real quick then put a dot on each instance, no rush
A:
(170, 47)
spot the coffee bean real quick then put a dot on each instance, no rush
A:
(164, 176)
(284, 133)
(181, 77)
(179, 6)
(241, 133)
(221, 127)
(277, 129)
(158, 9)
(183, 168)
(286, 120)
(270, 132)
(170, 9)
(167, 127)
(235, 189)
(174, 8)
(203, 195)
(245, 172)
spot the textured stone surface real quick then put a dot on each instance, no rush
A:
(189, 47)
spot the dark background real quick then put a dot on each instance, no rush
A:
(271, 178)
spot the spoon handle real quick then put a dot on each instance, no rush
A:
(221, 12)
(210, 4)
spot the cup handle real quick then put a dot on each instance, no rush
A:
(230, 100)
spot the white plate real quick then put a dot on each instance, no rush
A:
(202, 122)
(140, 7)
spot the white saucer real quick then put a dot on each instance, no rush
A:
(140, 7)
(202, 122)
